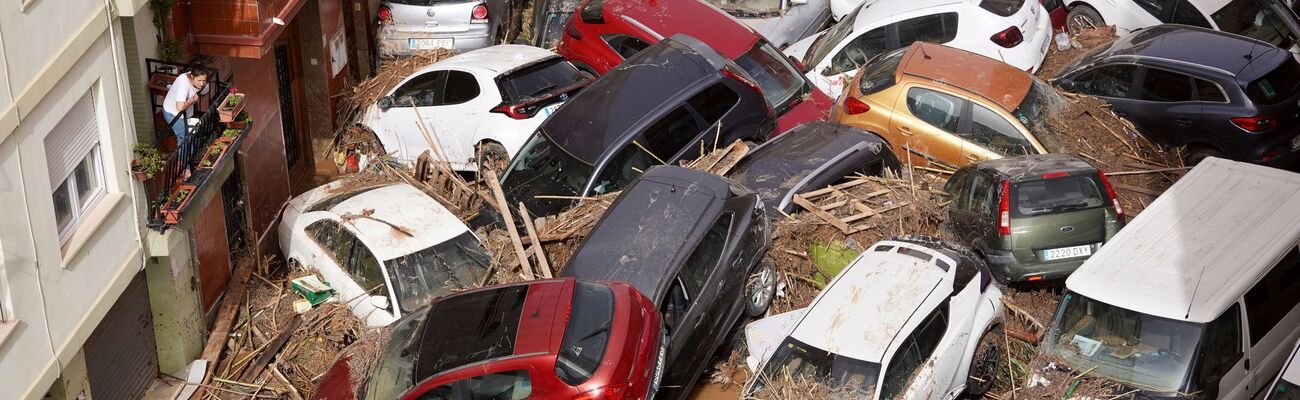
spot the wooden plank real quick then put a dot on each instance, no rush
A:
(542, 263)
(1141, 190)
(510, 224)
(829, 189)
(863, 227)
(225, 319)
(815, 210)
(272, 349)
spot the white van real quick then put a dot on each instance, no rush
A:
(1198, 293)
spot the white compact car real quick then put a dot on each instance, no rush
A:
(476, 105)
(387, 249)
(903, 320)
(1267, 20)
(1016, 32)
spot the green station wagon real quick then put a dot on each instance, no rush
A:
(1033, 217)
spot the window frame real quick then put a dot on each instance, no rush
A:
(446, 85)
(966, 130)
(622, 40)
(79, 207)
(1258, 323)
(962, 109)
(1197, 92)
(439, 93)
(1141, 80)
(1129, 91)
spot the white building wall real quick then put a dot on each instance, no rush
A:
(54, 293)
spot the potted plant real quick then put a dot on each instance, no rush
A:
(215, 152)
(231, 106)
(171, 211)
(241, 121)
(147, 162)
(231, 133)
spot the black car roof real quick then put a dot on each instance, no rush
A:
(644, 233)
(602, 115)
(452, 337)
(1034, 165)
(778, 165)
(1201, 47)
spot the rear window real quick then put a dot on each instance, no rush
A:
(469, 328)
(1276, 86)
(1004, 8)
(773, 73)
(587, 333)
(1056, 195)
(539, 80)
(879, 73)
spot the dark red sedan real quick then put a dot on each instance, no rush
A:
(551, 339)
(603, 33)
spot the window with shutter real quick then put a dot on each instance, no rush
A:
(75, 165)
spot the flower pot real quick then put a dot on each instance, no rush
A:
(227, 112)
(215, 151)
(139, 175)
(171, 211)
(237, 124)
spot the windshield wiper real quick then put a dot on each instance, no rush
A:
(602, 329)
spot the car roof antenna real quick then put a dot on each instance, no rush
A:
(923, 53)
(1250, 57)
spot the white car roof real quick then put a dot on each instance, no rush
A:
(1200, 245)
(496, 59)
(1210, 6)
(866, 307)
(881, 12)
(402, 205)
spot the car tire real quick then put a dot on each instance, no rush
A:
(491, 156)
(1083, 16)
(984, 363)
(1199, 153)
(760, 288)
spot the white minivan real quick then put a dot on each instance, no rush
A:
(1199, 293)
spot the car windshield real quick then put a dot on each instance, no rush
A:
(439, 270)
(1285, 391)
(1252, 19)
(823, 45)
(775, 75)
(1146, 351)
(539, 80)
(749, 8)
(843, 376)
(542, 168)
(1057, 195)
(1040, 102)
(1276, 86)
(394, 372)
(587, 334)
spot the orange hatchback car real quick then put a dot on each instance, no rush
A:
(940, 105)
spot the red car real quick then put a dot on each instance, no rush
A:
(1056, 9)
(549, 339)
(603, 33)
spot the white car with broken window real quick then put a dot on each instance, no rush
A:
(479, 105)
(386, 249)
(902, 320)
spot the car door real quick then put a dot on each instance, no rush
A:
(510, 380)
(399, 120)
(925, 121)
(987, 135)
(837, 69)
(1273, 318)
(1111, 82)
(659, 143)
(920, 368)
(1222, 366)
(692, 308)
(369, 276)
(975, 218)
(1164, 108)
(334, 262)
(455, 119)
(959, 218)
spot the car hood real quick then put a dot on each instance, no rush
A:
(780, 30)
(762, 336)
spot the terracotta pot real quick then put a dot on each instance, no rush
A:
(215, 152)
(172, 212)
(237, 124)
(139, 175)
(227, 113)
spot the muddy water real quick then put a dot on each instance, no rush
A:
(705, 390)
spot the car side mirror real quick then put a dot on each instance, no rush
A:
(380, 302)
(827, 71)
(385, 103)
(1067, 84)
(797, 64)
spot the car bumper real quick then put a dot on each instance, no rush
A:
(1006, 269)
(393, 42)
(1029, 55)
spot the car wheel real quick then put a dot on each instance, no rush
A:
(984, 364)
(1083, 17)
(1197, 154)
(760, 288)
(491, 156)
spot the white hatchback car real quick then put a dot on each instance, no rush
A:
(1016, 32)
(903, 320)
(390, 241)
(1267, 20)
(480, 104)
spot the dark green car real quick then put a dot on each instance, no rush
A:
(1033, 217)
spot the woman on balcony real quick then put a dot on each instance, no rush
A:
(181, 97)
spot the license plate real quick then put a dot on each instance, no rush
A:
(430, 43)
(1295, 143)
(1067, 252)
(548, 110)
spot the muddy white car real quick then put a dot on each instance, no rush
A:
(478, 106)
(903, 320)
(385, 249)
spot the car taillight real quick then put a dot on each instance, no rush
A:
(1051, 175)
(479, 15)
(1114, 198)
(385, 15)
(1255, 124)
(515, 111)
(853, 106)
(1008, 38)
(608, 392)
(1004, 210)
(733, 75)
(572, 31)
